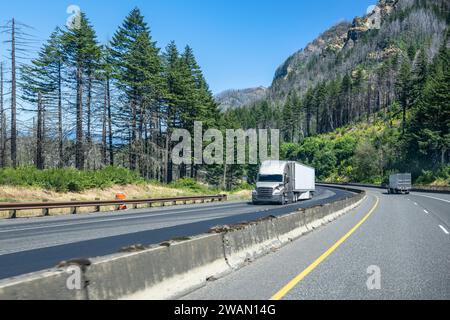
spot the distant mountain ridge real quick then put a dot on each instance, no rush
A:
(231, 99)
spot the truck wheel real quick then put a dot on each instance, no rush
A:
(283, 200)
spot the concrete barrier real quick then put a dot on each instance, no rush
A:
(178, 267)
(244, 245)
(44, 285)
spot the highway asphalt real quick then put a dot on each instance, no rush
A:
(29, 245)
(402, 240)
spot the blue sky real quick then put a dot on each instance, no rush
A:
(239, 44)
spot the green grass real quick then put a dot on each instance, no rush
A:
(68, 180)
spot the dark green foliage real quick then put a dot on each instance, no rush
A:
(429, 129)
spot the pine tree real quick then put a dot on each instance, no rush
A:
(80, 46)
(430, 129)
(404, 89)
(419, 76)
(137, 70)
(37, 86)
(50, 66)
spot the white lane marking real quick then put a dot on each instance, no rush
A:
(433, 198)
(443, 229)
(426, 211)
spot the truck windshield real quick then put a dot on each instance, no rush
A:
(270, 178)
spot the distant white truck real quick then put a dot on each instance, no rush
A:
(284, 182)
(400, 183)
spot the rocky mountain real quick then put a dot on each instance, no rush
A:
(390, 28)
(231, 99)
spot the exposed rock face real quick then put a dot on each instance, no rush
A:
(237, 98)
(375, 36)
(372, 20)
(333, 39)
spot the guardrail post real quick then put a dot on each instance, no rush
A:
(97, 208)
(174, 203)
(45, 211)
(135, 206)
(13, 214)
(73, 210)
(150, 204)
(184, 202)
(163, 204)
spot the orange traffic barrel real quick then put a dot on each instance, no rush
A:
(121, 196)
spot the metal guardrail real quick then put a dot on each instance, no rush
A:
(74, 205)
(415, 188)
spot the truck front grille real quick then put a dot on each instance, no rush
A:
(265, 193)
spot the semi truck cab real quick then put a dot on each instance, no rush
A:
(283, 182)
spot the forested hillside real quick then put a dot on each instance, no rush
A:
(394, 77)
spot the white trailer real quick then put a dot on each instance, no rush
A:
(284, 182)
(304, 181)
(400, 183)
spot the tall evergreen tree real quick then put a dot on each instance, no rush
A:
(80, 45)
(404, 89)
(430, 126)
(137, 70)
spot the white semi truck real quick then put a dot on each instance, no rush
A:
(284, 182)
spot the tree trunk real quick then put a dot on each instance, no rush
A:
(140, 138)
(13, 97)
(308, 121)
(369, 100)
(39, 135)
(110, 133)
(89, 119)
(133, 158)
(104, 121)
(404, 119)
(2, 122)
(60, 125)
(79, 148)
(169, 164)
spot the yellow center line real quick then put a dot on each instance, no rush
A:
(283, 292)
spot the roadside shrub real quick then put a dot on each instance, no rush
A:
(188, 183)
(441, 177)
(64, 180)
